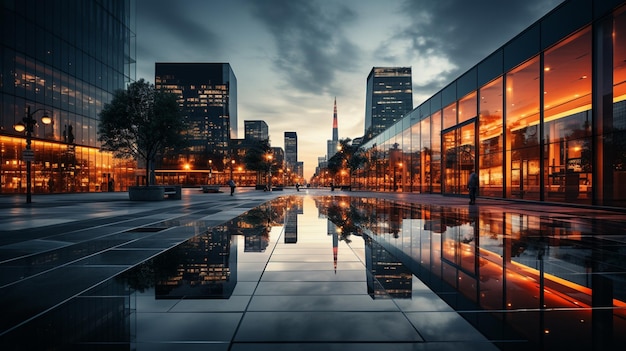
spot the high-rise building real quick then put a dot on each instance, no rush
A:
(208, 95)
(256, 131)
(291, 149)
(389, 96)
(333, 144)
(64, 60)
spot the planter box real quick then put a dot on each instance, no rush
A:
(146, 193)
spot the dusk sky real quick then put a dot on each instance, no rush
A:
(293, 57)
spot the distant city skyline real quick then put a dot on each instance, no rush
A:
(293, 57)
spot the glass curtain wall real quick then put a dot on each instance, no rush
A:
(522, 131)
(425, 155)
(538, 134)
(615, 127)
(435, 163)
(567, 120)
(490, 139)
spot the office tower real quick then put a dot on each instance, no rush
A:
(208, 99)
(291, 149)
(332, 145)
(256, 131)
(389, 96)
(58, 61)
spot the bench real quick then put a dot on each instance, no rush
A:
(155, 192)
(210, 188)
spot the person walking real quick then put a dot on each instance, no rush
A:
(232, 185)
(472, 186)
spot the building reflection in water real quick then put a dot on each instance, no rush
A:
(554, 282)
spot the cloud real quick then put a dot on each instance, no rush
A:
(311, 44)
(445, 38)
(168, 31)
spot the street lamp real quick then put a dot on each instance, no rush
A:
(269, 171)
(232, 164)
(28, 124)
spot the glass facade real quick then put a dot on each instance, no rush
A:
(389, 97)
(62, 59)
(208, 99)
(551, 127)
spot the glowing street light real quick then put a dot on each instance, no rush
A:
(269, 158)
(28, 124)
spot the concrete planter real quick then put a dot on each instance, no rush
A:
(146, 193)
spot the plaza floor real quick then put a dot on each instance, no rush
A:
(64, 249)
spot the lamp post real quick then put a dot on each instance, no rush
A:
(232, 164)
(28, 124)
(269, 171)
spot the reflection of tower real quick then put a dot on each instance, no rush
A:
(331, 229)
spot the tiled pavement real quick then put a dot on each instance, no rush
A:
(46, 245)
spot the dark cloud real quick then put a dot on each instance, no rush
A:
(311, 45)
(164, 26)
(465, 32)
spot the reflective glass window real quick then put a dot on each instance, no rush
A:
(522, 131)
(567, 119)
(490, 138)
(467, 107)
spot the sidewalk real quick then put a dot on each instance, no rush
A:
(62, 245)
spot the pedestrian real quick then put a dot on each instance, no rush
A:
(297, 186)
(472, 186)
(232, 185)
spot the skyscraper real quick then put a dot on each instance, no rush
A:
(63, 60)
(208, 95)
(331, 146)
(291, 155)
(291, 149)
(389, 97)
(256, 131)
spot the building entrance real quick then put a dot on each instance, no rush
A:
(459, 155)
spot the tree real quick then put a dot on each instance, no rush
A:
(348, 156)
(141, 123)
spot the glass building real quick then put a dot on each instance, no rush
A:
(291, 149)
(389, 96)
(61, 59)
(208, 99)
(256, 130)
(542, 118)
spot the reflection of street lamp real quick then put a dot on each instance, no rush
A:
(28, 124)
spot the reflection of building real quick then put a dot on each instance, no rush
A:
(291, 227)
(57, 60)
(205, 266)
(389, 97)
(542, 118)
(389, 277)
(208, 95)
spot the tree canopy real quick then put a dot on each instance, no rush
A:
(142, 123)
(348, 156)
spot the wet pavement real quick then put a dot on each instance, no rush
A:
(309, 270)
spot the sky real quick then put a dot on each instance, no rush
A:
(293, 58)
